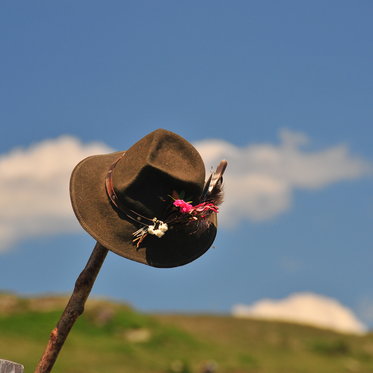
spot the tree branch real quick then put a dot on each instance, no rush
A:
(73, 310)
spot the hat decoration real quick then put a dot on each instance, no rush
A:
(178, 212)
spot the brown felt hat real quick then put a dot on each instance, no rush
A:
(142, 179)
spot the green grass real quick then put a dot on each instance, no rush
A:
(112, 338)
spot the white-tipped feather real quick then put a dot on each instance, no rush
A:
(217, 176)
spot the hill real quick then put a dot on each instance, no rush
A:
(112, 338)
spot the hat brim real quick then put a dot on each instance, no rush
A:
(114, 230)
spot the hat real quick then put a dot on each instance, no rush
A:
(150, 203)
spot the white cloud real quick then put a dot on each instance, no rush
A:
(34, 188)
(365, 310)
(304, 308)
(261, 179)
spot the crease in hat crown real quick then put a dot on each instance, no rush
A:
(144, 175)
(155, 165)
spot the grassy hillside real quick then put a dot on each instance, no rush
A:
(113, 338)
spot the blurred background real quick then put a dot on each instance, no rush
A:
(282, 90)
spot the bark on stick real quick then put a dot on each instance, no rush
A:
(73, 310)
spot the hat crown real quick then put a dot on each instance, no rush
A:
(154, 167)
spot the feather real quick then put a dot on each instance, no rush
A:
(206, 189)
(195, 220)
(217, 176)
(215, 184)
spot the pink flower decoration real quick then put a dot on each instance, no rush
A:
(185, 207)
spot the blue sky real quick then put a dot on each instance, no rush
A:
(282, 89)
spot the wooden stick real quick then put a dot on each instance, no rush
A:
(73, 310)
